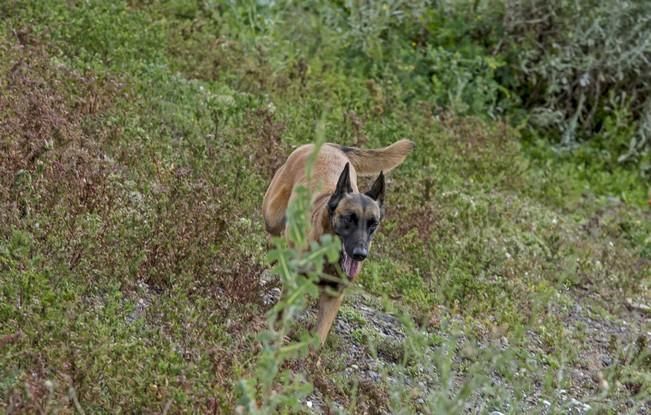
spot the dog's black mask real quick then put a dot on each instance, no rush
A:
(354, 217)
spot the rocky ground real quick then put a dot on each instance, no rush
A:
(376, 358)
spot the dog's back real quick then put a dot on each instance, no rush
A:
(327, 167)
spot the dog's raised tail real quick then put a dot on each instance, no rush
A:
(372, 161)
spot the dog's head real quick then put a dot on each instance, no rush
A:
(354, 217)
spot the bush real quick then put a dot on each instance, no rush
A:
(575, 71)
(576, 64)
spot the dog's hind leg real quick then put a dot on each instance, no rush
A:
(328, 308)
(275, 202)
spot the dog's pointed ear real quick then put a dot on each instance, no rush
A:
(343, 187)
(377, 190)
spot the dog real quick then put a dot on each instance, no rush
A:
(337, 206)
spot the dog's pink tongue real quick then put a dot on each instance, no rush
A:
(354, 268)
(351, 266)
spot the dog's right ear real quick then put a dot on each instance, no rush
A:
(343, 187)
(377, 190)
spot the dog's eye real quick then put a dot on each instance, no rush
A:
(349, 219)
(372, 225)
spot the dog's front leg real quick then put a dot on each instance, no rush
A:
(328, 307)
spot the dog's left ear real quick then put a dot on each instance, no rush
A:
(377, 190)
(343, 187)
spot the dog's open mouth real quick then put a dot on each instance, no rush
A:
(349, 265)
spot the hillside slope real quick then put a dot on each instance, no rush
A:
(136, 142)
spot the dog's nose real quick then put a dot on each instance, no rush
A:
(360, 253)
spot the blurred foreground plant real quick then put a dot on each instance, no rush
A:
(299, 263)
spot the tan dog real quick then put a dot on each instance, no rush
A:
(338, 207)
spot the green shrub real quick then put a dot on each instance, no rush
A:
(578, 63)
